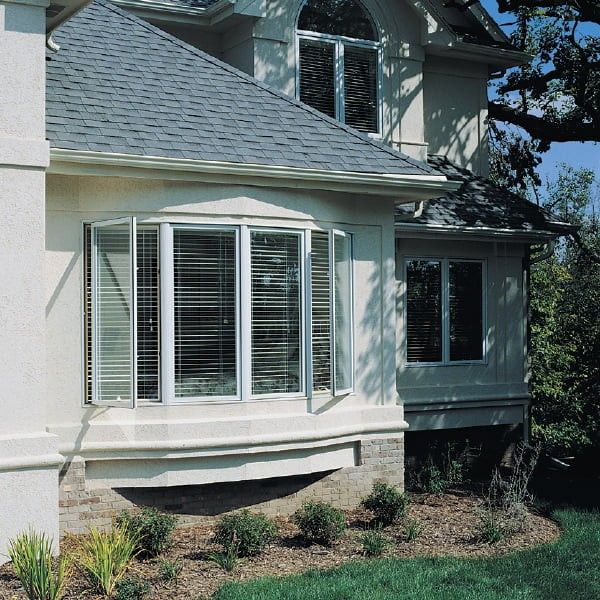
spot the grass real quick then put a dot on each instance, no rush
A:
(568, 568)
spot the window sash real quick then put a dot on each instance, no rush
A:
(445, 326)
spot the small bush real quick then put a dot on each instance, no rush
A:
(131, 588)
(152, 528)
(106, 555)
(413, 529)
(374, 542)
(249, 533)
(227, 559)
(31, 555)
(491, 530)
(320, 523)
(445, 466)
(387, 503)
(169, 570)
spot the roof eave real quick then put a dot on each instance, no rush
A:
(501, 58)
(404, 188)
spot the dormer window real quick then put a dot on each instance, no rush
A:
(339, 62)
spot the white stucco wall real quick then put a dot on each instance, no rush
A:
(28, 455)
(220, 437)
(481, 394)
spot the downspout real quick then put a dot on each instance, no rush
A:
(547, 252)
(417, 212)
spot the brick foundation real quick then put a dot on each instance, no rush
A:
(377, 460)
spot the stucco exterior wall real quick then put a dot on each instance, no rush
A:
(496, 392)
(28, 455)
(156, 445)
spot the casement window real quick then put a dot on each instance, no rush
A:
(181, 313)
(339, 62)
(444, 311)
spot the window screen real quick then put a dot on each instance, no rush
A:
(321, 311)
(317, 75)
(342, 292)
(360, 88)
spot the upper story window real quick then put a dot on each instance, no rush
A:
(339, 62)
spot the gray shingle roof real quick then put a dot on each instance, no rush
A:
(480, 203)
(120, 85)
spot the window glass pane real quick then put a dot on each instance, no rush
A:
(204, 264)
(424, 311)
(317, 79)
(148, 314)
(360, 88)
(466, 310)
(337, 17)
(343, 312)
(112, 329)
(276, 325)
(321, 311)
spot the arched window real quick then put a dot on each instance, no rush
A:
(338, 70)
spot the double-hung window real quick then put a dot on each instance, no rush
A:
(339, 60)
(444, 311)
(179, 312)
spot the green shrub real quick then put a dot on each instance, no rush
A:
(153, 529)
(131, 588)
(169, 570)
(227, 560)
(413, 529)
(106, 555)
(320, 523)
(31, 555)
(374, 542)
(387, 503)
(249, 533)
(491, 529)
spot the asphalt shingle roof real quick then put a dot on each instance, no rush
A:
(480, 203)
(120, 85)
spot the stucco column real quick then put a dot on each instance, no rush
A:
(29, 459)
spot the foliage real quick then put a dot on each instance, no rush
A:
(248, 533)
(413, 529)
(152, 528)
(567, 568)
(320, 523)
(444, 467)
(169, 570)
(106, 556)
(31, 556)
(374, 542)
(227, 560)
(131, 588)
(386, 502)
(491, 530)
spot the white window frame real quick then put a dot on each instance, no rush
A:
(445, 329)
(243, 314)
(339, 41)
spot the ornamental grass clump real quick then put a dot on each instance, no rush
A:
(248, 533)
(374, 542)
(152, 528)
(320, 523)
(31, 556)
(106, 556)
(387, 503)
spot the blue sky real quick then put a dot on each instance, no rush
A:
(576, 154)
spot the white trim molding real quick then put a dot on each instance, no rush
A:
(405, 188)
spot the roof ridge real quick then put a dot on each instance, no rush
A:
(238, 73)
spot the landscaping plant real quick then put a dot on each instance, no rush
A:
(227, 560)
(320, 523)
(387, 503)
(31, 555)
(249, 533)
(131, 588)
(413, 529)
(169, 570)
(374, 542)
(151, 527)
(106, 556)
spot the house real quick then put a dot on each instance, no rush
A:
(231, 273)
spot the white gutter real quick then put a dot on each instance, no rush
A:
(405, 188)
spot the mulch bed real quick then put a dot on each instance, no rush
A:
(450, 524)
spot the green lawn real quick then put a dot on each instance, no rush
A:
(566, 570)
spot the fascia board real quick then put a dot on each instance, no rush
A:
(405, 188)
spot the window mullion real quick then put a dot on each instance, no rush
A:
(332, 358)
(307, 332)
(167, 314)
(245, 310)
(445, 312)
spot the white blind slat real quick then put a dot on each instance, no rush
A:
(321, 312)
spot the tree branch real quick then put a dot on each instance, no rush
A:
(588, 10)
(585, 248)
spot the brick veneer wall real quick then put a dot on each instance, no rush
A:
(377, 460)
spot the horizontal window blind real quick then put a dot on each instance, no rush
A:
(466, 311)
(337, 17)
(321, 311)
(343, 312)
(112, 319)
(276, 306)
(424, 311)
(317, 75)
(204, 264)
(360, 88)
